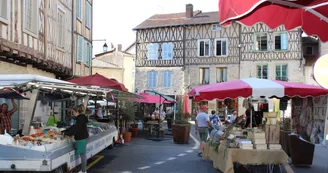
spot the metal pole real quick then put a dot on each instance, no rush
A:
(31, 110)
(251, 112)
(325, 137)
(174, 109)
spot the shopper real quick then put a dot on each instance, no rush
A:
(80, 133)
(215, 120)
(202, 125)
(5, 116)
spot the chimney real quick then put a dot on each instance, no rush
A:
(119, 47)
(189, 11)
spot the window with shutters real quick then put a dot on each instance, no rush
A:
(204, 75)
(204, 48)
(167, 51)
(152, 51)
(79, 49)
(167, 79)
(152, 79)
(85, 52)
(89, 54)
(262, 71)
(31, 16)
(87, 15)
(280, 41)
(282, 72)
(221, 74)
(221, 47)
(4, 12)
(79, 9)
(261, 42)
(61, 28)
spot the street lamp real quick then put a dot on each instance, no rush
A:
(105, 47)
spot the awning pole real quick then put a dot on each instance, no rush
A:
(251, 111)
(325, 131)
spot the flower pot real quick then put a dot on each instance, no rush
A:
(181, 133)
(127, 136)
(134, 132)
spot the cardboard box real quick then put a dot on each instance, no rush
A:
(272, 134)
(270, 114)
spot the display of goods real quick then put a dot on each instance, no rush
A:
(93, 131)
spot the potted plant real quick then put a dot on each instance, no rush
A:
(181, 127)
(128, 110)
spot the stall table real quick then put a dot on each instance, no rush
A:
(226, 157)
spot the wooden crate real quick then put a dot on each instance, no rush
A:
(272, 134)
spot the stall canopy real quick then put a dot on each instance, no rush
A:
(255, 87)
(310, 15)
(150, 99)
(9, 93)
(25, 82)
(99, 80)
(162, 96)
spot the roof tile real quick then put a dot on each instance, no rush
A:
(178, 19)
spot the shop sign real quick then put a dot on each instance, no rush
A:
(320, 71)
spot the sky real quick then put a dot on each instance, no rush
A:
(114, 20)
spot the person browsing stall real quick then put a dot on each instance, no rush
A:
(80, 133)
(215, 120)
(203, 123)
(5, 116)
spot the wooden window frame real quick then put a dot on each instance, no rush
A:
(261, 65)
(209, 47)
(221, 69)
(280, 77)
(267, 41)
(34, 19)
(274, 41)
(200, 77)
(7, 13)
(227, 47)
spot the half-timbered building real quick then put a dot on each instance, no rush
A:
(82, 37)
(39, 36)
(175, 52)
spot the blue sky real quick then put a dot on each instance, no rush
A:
(114, 20)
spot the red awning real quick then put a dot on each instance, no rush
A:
(150, 99)
(255, 87)
(310, 15)
(99, 80)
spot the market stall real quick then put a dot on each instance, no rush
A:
(227, 143)
(44, 148)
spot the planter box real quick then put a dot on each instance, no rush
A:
(181, 133)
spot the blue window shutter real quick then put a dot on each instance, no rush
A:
(284, 41)
(164, 52)
(170, 52)
(155, 79)
(150, 50)
(79, 49)
(164, 79)
(170, 79)
(150, 79)
(155, 50)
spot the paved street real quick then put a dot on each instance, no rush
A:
(143, 156)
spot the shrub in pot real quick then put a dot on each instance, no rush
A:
(128, 109)
(181, 127)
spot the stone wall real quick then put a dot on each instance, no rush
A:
(177, 80)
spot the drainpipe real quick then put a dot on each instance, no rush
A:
(72, 52)
(90, 66)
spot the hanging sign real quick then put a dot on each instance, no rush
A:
(320, 71)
